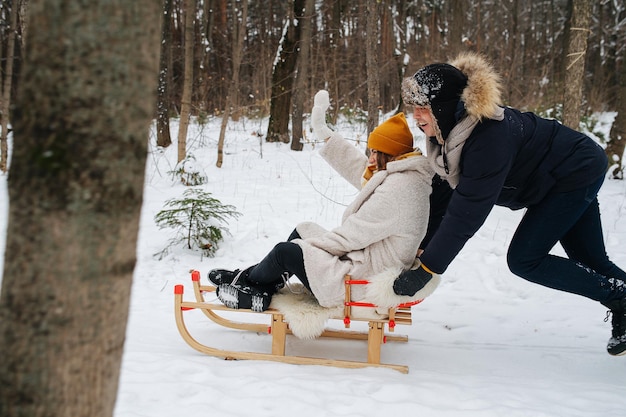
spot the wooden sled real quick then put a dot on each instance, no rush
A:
(279, 329)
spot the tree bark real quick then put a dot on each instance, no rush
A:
(282, 79)
(575, 62)
(6, 89)
(371, 51)
(220, 52)
(241, 25)
(617, 137)
(24, 5)
(164, 138)
(615, 147)
(185, 101)
(81, 121)
(304, 47)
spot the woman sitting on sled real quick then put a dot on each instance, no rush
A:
(379, 234)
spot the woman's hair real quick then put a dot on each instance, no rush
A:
(382, 159)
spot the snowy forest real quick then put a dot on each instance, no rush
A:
(268, 58)
(84, 84)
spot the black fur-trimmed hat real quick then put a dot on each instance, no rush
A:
(438, 86)
(469, 83)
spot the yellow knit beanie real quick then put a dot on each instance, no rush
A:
(392, 137)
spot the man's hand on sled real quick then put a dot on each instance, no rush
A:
(321, 103)
(411, 281)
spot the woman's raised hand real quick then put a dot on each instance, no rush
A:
(321, 102)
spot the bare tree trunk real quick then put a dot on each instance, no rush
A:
(575, 62)
(185, 102)
(220, 51)
(75, 186)
(615, 147)
(304, 48)
(371, 52)
(164, 138)
(282, 79)
(24, 5)
(334, 41)
(401, 61)
(388, 56)
(617, 142)
(6, 89)
(240, 32)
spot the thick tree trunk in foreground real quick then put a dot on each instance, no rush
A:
(87, 95)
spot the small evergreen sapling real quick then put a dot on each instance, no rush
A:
(198, 220)
(188, 172)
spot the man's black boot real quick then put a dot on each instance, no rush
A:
(617, 343)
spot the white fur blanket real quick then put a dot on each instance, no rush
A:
(307, 319)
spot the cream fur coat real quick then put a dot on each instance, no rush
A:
(380, 230)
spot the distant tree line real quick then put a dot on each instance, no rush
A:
(526, 40)
(262, 56)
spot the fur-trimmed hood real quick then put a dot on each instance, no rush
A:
(482, 95)
(468, 79)
(459, 95)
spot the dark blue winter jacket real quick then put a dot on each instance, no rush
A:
(513, 163)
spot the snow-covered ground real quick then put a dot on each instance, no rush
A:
(485, 344)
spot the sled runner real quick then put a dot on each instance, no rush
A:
(280, 327)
